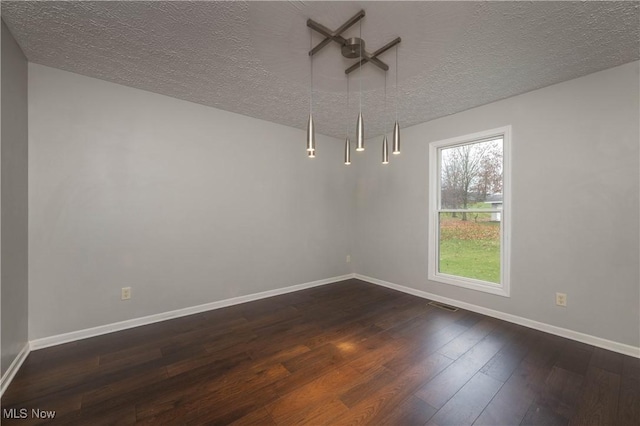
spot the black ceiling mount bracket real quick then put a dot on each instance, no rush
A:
(351, 47)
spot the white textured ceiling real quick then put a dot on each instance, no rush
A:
(251, 57)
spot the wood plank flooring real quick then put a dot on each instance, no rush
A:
(344, 353)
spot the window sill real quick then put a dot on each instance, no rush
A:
(470, 283)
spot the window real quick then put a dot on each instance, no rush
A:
(469, 211)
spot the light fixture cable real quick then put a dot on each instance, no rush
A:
(396, 126)
(346, 121)
(385, 143)
(347, 142)
(311, 131)
(360, 124)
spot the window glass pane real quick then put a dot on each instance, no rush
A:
(469, 245)
(471, 175)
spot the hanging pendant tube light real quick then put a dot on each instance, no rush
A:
(396, 138)
(396, 126)
(311, 135)
(360, 124)
(347, 142)
(347, 151)
(385, 143)
(360, 134)
(311, 130)
(385, 150)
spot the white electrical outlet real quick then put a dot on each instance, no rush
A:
(561, 299)
(126, 293)
(348, 258)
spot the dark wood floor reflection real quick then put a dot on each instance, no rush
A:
(344, 353)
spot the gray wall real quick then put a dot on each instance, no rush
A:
(184, 203)
(188, 204)
(575, 152)
(14, 199)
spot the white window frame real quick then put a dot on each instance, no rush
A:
(502, 289)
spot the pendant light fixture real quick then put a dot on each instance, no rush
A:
(311, 130)
(360, 124)
(347, 142)
(385, 150)
(311, 135)
(385, 143)
(396, 126)
(352, 48)
(360, 133)
(347, 151)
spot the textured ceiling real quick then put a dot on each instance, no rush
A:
(251, 57)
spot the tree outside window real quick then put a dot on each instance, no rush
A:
(468, 237)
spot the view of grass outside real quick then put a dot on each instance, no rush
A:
(471, 180)
(470, 248)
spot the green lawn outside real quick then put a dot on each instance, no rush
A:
(470, 248)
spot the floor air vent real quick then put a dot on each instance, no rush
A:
(443, 306)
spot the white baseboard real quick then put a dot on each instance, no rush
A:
(8, 375)
(547, 328)
(59, 339)
(136, 322)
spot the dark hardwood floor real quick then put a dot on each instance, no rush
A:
(344, 353)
